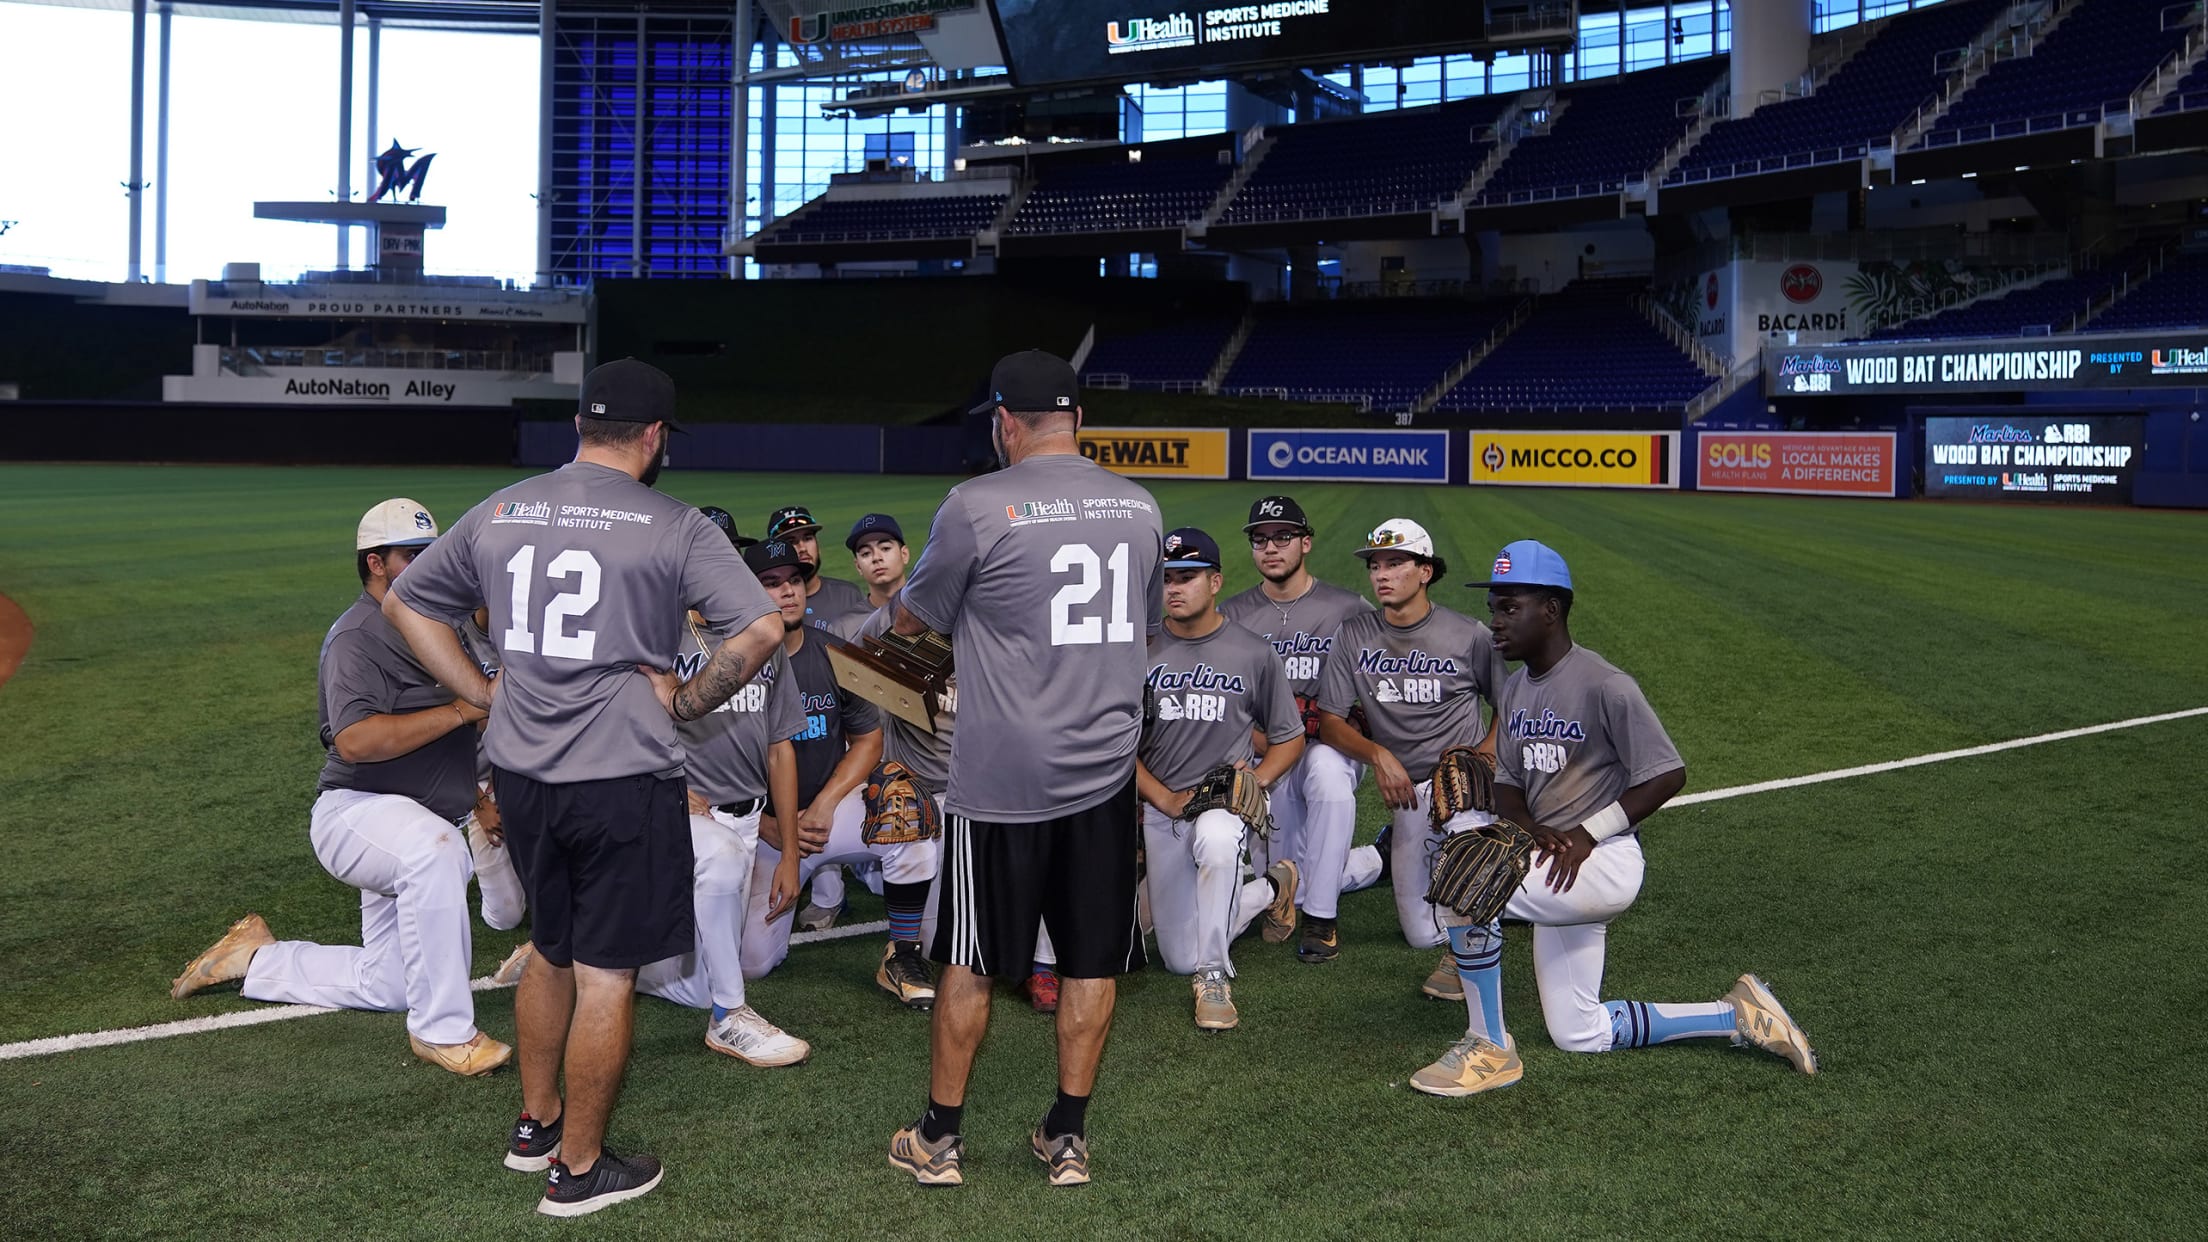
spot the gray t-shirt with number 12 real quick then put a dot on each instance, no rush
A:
(1048, 578)
(1421, 684)
(1576, 737)
(1301, 630)
(1209, 693)
(587, 573)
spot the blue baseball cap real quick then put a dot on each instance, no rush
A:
(1528, 563)
(873, 524)
(1190, 548)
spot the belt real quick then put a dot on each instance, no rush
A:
(741, 809)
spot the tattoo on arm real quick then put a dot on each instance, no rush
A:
(732, 664)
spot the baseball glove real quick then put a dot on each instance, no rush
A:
(1233, 789)
(1476, 871)
(898, 810)
(1309, 706)
(1464, 780)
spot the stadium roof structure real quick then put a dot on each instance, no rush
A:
(496, 15)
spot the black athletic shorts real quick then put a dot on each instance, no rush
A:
(606, 866)
(1075, 874)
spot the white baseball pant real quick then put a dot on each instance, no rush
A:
(766, 943)
(1314, 817)
(1570, 932)
(723, 847)
(1198, 900)
(497, 885)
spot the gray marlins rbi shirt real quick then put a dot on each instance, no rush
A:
(835, 600)
(1210, 693)
(1301, 631)
(1047, 576)
(831, 716)
(366, 669)
(587, 573)
(1577, 737)
(927, 754)
(1421, 684)
(725, 751)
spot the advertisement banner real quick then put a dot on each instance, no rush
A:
(2177, 359)
(1575, 458)
(1349, 456)
(1157, 452)
(2090, 458)
(1802, 463)
(1050, 42)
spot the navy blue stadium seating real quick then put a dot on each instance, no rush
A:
(1178, 354)
(2048, 306)
(1164, 190)
(1389, 349)
(1611, 131)
(889, 219)
(1879, 88)
(1588, 346)
(2190, 93)
(2098, 55)
(2175, 297)
(1390, 163)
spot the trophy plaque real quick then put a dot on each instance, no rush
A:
(905, 677)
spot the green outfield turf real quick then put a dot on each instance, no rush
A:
(1994, 955)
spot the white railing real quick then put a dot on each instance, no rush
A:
(2174, 66)
(1362, 400)
(1473, 357)
(2008, 36)
(1738, 376)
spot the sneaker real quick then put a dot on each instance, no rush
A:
(1472, 1065)
(533, 1145)
(931, 1164)
(509, 971)
(1445, 983)
(1214, 1003)
(1280, 916)
(225, 960)
(609, 1181)
(820, 918)
(904, 975)
(473, 1059)
(1322, 940)
(1066, 1154)
(1042, 991)
(1762, 1022)
(741, 1033)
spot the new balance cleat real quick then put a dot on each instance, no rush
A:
(1444, 983)
(473, 1059)
(533, 1144)
(1322, 940)
(1472, 1065)
(509, 971)
(741, 1033)
(1280, 916)
(1067, 1155)
(904, 975)
(226, 960)
(1762, 1022)
(1042, 991)
(931, 1164)
(1214, 1001)
(610, 1181)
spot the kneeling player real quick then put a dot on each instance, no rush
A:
(1582, 760)
(838, 745)
(1211, 684)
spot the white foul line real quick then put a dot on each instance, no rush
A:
(281, 1013)
(284, 1013)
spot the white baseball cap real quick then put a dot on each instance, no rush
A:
(396, 523)
(1402, 535)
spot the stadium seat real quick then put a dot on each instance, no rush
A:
(2097, 56)
(2175, 297)
(887, 219)
(1389, 163)
(1391, 350)
(1587, 346)
(1179, 353)
(1610, 131)
(1166, 189)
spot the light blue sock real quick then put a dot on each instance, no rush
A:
(1640, 1024)
(719, 1012)
(1479, 954)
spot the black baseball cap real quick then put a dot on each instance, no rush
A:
(1032, 381)
(1190, 548)
(1276, 511)
(628, 391)
(776, 554)
(873, 524)
(727, 522)
(790, 520)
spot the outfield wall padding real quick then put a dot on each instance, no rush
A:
(275, 435)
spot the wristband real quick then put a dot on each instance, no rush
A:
(1607, 823)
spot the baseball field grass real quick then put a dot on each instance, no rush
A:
(1994, 955)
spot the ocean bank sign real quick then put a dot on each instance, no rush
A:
(1349, 456)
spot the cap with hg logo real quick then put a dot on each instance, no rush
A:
(1406, 536)
(1528, 563)
(396, 523)
(1276, 511)
(1032, 382)
(1190, 548)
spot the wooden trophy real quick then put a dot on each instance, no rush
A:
(906, 677)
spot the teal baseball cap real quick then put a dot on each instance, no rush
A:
(1528, 563)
